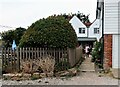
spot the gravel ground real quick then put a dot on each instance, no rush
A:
(85, 78)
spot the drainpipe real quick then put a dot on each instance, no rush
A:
(102, 33)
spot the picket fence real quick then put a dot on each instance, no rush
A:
(12, 58)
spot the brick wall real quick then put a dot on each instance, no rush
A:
(107, 51)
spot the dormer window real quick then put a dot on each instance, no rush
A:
(96, 30)
(82, 30)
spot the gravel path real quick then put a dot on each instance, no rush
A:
(85, 78)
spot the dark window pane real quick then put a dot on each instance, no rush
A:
(96, 30)
(84, 31)
(80, 30)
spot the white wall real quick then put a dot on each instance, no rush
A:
(96, 24)
(115, 51)
(76, 24)
(119, 17)
(111, 1)
(119, 36)
(111, 17)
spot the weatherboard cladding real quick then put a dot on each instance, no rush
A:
(111, 18)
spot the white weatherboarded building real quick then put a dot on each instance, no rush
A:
(86, 34)
(112, 27)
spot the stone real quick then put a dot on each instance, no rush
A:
(26, 75)
(50, 74)
(116, 72)
(8, 75)
(66, 73)
(36, 74)
(72, 71)
(20, 82)
(15, 78)
(42, 75)
(18, 74)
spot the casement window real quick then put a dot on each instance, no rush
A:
(96, 30)
(82, 30)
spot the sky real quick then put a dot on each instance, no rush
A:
(22, 13)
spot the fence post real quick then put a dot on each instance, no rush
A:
(71, 56)
(21, 54)
(18, 59)
(2, 59)
(78, 54)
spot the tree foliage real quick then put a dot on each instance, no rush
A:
(11, 35)
(84, 18)
(54, 31)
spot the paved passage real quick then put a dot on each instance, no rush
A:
(87, 65)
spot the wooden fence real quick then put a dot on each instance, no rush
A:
(11, 59)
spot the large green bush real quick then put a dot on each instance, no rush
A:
(54, 32)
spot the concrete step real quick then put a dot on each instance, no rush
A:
(87, 67)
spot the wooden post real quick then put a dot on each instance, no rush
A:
(11, 58)
(23, 51)
(5, 57)
(71, 56)
(32, 53)
(37, 53)
(54, 53)
(14, 59)
(20, 53)
(26, 53)
(8, 56)
(59, 52)
(2, 60)
(35, 50)
(29, 53)
(40, 52)
(18, 60)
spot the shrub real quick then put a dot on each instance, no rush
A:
(61, 66)
(97, 54)
(52, 32)
(47, 64)
(29, 66)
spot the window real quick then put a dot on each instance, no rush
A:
(96, 30)
(82, 30)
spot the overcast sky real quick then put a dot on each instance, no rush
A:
(22, 13)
